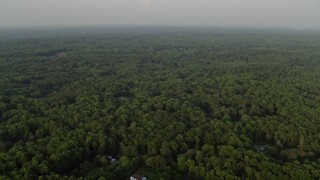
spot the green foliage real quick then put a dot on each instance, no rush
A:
(169, 104)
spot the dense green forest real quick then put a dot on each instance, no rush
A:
(165, 103)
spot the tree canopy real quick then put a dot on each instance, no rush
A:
(175, 104)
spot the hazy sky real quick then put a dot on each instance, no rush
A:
(271, 13)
